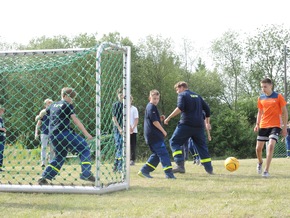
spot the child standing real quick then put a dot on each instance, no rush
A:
(42, 125)
(118, 131)
(2, 137)
(154, 136)
(134, 119)
(63, 138)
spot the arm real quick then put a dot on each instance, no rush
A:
(37, 126)
(284, 120)
(173, 114)
(158, 126)
(136, 121)
(81, 127)
(117, 124)
(40, 115)
(208, 127)
(259, 115)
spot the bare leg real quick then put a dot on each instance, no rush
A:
(259, 150)
(270, 152)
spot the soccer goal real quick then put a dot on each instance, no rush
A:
(29, 77)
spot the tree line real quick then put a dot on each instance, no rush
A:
(231, 88)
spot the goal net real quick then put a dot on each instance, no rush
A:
(29, 77)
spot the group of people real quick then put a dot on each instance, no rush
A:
(63, 139)
(272, 118)
(194, 119)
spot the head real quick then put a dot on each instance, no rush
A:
(47, 102)
(120, 94)
(267, 86)
(131, 98)
(68, 94)
(2, 110)
(154, 96)
(180, 86)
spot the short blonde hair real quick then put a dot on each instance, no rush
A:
(181, 84)
(69, 92)
(47, 101)
(154, 92)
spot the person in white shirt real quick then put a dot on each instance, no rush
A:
(133, 131)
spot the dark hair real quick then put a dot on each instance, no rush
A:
(266, 80)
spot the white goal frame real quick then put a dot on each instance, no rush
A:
(96, 188)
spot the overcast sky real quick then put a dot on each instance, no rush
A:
(201, 21)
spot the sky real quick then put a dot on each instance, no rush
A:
(200, 21)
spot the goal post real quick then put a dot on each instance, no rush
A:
(29, 77)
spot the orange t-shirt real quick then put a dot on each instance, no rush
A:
(272, 109)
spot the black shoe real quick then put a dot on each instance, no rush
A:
(42, 181)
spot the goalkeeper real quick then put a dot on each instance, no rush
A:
(63, 139)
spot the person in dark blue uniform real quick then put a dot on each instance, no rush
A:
(64, 139)
(154, 136)
(118, 131)
(191, 125)
(2, 137)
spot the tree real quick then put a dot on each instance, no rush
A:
(228, 56)
(265, 57)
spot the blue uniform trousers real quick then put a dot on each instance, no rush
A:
(2, 143)
(288, 145)
(62, 143)
(159, 154)
(181, 134)
(118, 163)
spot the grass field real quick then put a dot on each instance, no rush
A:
(243, 193)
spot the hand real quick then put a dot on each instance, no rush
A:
(89, 137)
(165, 134)
(162, 117)
(166, 121)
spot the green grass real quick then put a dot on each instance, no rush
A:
(243, 193)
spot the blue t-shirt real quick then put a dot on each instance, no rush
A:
(151, 133)
(59, 117)
(45, 125)
(192, 106)
(118, 112)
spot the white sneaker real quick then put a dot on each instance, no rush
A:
(259, 168)
(265, 174)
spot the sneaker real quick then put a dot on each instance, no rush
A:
(170, 176)
(259, 168)
(265, 174)
(178, 169)
(144, 175)
(198, 162)
(1, 170)
(132, 163)
(91, 178)
(42, 181)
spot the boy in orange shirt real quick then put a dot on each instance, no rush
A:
(270, 107)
